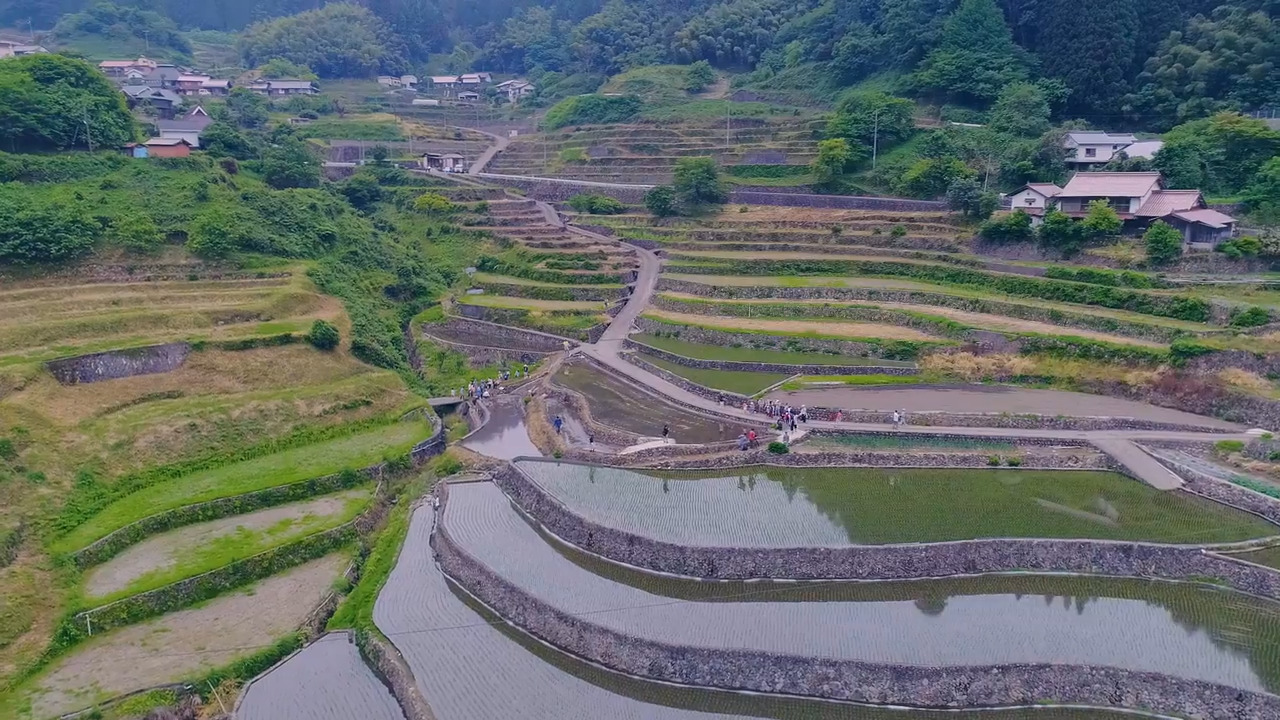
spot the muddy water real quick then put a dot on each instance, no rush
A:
(327, 680)
(958, 630)
(504, 436)
(620, 404)
(472, 666)
(824, 507)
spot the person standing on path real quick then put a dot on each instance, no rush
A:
(559, 423)
(897, 419)
(665, 431)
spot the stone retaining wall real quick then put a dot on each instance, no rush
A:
(500, 335)
(865, 682)
(115, 364)
(723, 455)
(839, 202)
(914, 561)
(541, 292)
(390, 667)
(1005, 420)
(767, 367)
(1101, 323)
(482, 355)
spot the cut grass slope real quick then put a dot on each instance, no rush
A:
(746, 354)
(801, 328)
(355, 451)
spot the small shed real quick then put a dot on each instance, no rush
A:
(1202, 227)
(444, 162)
(468, 96)
(162, 147)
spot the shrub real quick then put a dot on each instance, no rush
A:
(898, 231)
(1059, 232)
(7, 450)
(324, 335)
(778, 448)
(661, 201)
(1246, 246)
(136, 231)
(1013, 461)
(993, 460)
(1229, 446)
(697, 182)
(1253, 317)
(1102, 221)
(1011, 228)
(446, 465)
(1164, 243)
(597, 205)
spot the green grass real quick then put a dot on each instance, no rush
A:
(332, 129)
(735, 381)
(356, 610)
(891, 442)
(503, 301)
(354, 451)
(747, 354)
(695, 110)
(1266, 556)
(481, 278)
(807, 382)
(236, 545)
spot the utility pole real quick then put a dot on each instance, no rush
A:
(87, 134)
(727, 109)
(875, 138)
(146, 36)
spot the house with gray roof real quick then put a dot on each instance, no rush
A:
(1140, 198)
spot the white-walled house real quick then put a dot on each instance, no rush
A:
(1087, 148)
(1034, 198)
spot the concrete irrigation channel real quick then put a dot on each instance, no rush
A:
(326, 680)
(1116, 638)
(471, 666)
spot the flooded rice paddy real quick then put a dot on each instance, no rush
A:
(504, 436)
(620, 404)
(824, 507)
(326, 680)
(935, 629)
(471, 666)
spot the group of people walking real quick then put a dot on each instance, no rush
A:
(477, 389)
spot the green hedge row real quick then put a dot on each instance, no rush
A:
(766, 171)
(90, 495)
(107, 547)
(247, 343)
(75, 628)
(498, 267)
(1099, 276)
(1088, 349)
(882, 348)
(1173, 306)
(931, 324)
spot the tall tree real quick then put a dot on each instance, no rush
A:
(913, 27)
(338, 40)
(866, 117)
(1021, 109)
(1089, 45)
(51, 102)
(975, 56)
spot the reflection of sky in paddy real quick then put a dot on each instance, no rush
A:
(977, 629)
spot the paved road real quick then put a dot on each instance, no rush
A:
(500, 143)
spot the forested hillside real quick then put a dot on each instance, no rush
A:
(1142, 63)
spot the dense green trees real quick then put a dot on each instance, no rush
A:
(834, 157)
(591, 109)
(50, 102)
(736, 33)
(1021, 109)
(975, 57)
(866, 117)
(1262, 195)
(338, 40)
(1219, 155)
(661, 201)
(1090, 46)
(121, 23)
(43, 224)
(290, 165)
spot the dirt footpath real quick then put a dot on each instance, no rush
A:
(989, 399)
(184, 643)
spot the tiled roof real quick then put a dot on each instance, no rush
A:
(166, 141)
(1110, 184)
(1205, 216)
(1166, 202)
(1100, 138)
(1046, 189)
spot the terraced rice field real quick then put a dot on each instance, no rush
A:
(326, 680)
(354, 451)
(482, 278)
(39, 323)
(734, 381)
(973, 630)
(815, 328)
(471, 665)
(620, 404)
(747, 354)
(827, 507)
(982, 321)
(894, 284)
(991, 399)
(178, 646)
(188, 551)
(500, 301)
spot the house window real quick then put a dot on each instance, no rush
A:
(1091, 152)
